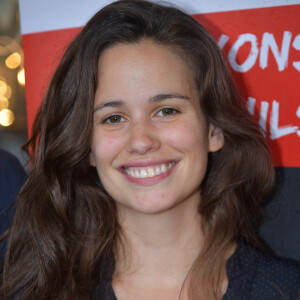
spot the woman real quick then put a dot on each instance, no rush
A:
(147, 172)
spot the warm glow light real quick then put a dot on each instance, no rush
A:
(3, 103)
(13, 61)
(7, 95)
(6, 117)
(3, 88)
(21, 76)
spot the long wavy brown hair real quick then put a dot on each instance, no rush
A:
(62, 238)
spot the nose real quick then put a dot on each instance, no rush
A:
(143, 138)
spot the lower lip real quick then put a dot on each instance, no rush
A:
(150, 180)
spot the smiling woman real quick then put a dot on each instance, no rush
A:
(147, 172)
(155, 136)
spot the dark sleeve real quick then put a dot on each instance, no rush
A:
(12, 177)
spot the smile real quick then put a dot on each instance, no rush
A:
(148, 172)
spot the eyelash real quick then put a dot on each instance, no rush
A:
(168, 110)
(109, 119)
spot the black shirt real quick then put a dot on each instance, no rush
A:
(252, 275)
(255, 275)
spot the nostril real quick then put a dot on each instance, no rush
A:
(142, 140)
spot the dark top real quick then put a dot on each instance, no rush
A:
(252, 275)
(255, 275)
(12, 177)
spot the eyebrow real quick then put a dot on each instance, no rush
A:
(156, 98)
(113, 103)
(162, 97)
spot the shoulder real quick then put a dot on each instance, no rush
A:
(12, 177)
(11, 171)
(7, 157)
(263, 276)
(277, 275)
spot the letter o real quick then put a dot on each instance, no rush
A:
(252, 57)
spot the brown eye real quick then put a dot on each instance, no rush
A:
(167, 112)
(115, 119)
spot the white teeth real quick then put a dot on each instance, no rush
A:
(157, 171)
(163, 168)
(143, 174)
(148, 172)
(151, 172)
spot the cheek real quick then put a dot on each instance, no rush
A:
(185, 135)
(106, 147)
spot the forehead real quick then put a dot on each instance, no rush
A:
(146, 50)
(143, 66)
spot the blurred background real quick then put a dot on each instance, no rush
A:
(13, 122)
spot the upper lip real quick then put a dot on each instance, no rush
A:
(146, 163)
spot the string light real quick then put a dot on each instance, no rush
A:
(6, 117)
(13, 61)
(3, 103)
(12, 53)
(3, 88)
(21, 77)
(8, 92)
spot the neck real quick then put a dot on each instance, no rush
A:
(166, 243)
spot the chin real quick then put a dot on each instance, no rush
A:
(144, 205)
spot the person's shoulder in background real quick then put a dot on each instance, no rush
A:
(10, 168)
(256, 275)
(12, 177)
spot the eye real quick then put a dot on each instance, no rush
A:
(167, 112)
(113, 120)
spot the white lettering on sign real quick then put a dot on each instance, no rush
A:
(296, 45)
(251, 105)
(275, 131)
(298, 115)
(252, 57)
(268, 44)
(223, 39)
(264, 107)
(298, 112)
(281, 57)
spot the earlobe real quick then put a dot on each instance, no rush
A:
(215, 138)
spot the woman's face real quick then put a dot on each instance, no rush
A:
(150, 140)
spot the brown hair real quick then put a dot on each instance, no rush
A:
(65, 225)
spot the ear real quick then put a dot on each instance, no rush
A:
(215, 138)
(92, 159)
